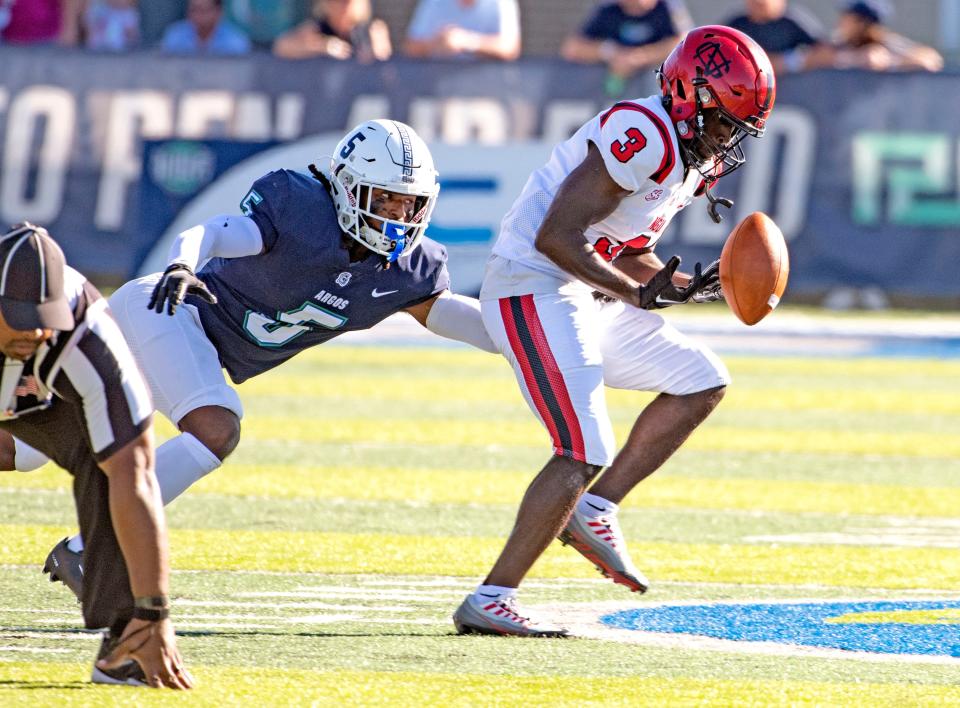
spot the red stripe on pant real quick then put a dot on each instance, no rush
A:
(557, 386)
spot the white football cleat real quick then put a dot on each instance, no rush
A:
(600, 541)
(500, 615)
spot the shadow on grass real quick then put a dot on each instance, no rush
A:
(311, 635)
(13, 631)
(37, 685)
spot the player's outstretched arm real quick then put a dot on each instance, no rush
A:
(221, 236)
(454, 317)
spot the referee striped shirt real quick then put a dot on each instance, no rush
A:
(90, 367)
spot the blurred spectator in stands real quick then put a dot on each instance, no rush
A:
(629, 35)
(341, 29)
(37, 21)
(109, 25)
(265, 20)
(465, 28)
(790, 36)
(155, 17)
(205, 31)
(863, 41)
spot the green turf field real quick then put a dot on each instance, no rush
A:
(374, 487)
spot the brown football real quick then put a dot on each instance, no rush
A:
(754, 266)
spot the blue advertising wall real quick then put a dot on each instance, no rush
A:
(859, 170)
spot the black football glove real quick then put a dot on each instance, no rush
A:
(709, 290)
(661, 282)
(178, 280)
(704, 286)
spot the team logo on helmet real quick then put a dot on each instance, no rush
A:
(407, 148)
(711, 58)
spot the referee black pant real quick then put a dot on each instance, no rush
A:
(60, 433)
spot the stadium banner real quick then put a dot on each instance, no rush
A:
(859, 170)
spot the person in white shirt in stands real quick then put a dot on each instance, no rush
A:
(481, 29)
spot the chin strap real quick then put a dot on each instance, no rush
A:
(714, 202)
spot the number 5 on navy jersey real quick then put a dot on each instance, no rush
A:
(249, 202)
(635, 143)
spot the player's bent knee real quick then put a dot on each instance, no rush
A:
(582, 472)
(703, 402)
(716, 394)
(218, 429)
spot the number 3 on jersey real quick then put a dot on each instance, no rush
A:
(634, 144)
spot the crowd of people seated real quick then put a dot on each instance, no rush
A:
(625, 35)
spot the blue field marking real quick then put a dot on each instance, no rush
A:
(458, 235)
(885, 627)
(947, 348)
(468, 184)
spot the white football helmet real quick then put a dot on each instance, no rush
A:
(388, 155)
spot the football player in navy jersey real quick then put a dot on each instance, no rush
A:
(313, 256)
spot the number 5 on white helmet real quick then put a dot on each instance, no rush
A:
(387, 155)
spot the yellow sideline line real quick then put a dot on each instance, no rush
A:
(333, 553)
(323, 388)
(399, 484)
(404, 360)
(458, 487)
(710, 438)
(58, 684)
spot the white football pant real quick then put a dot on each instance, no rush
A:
(565, 346)
(180, 364)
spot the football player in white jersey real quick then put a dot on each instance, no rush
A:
(564, 299)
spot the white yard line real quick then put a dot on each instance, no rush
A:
(24, 633)
(291, 606)
(35, 650)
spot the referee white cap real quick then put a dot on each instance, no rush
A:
(31, 280)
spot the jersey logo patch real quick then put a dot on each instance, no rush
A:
(28, 387)
(344, 278)
(378, 293)
(654, 195)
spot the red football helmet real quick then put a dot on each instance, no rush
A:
(718, 86)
